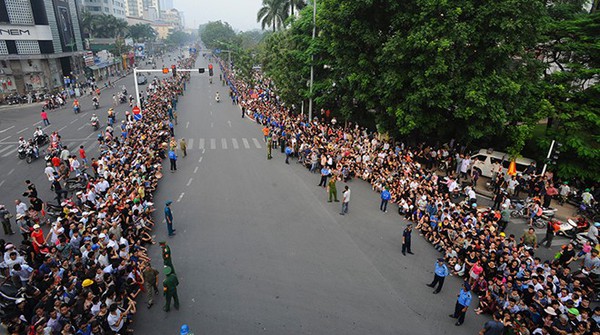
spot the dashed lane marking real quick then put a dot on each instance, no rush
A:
(196, 169)
(213, 144)
(6, 138)
(187, 125)
(22, 130)
(235, 143)
(190, 181)
(10, 152)
(246, 144)
(200, 160)
(201, 144)
(7, 129)
(180, 196)
(190, 143)
(2, 183)
(256, 143)
(10, 172)
(73, 121)
(224, 143)
(212, 124)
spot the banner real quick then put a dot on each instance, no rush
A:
(15, 32)
(65, 27)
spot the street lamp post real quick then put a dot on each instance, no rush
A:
(312, 66)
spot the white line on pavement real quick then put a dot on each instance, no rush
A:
(256, 143)
(246, 144)
(81, 127)
(229, 122)
(191, 143)
(235, 143)
(10, 152)
(201, 144)
(196, 169)
(203, 150)
(213, 144)
(212, 124)
(190, 181)
(10, 172)
(73, 121)
(39, 122)
(2, 183)
(180, 197)
(90, 135)
(6, 138)
(210, 112)
(200, 160)
(61, 129)
(224, 143)
(187, 125)
(7, 129)
(7, 148)
(22, 130)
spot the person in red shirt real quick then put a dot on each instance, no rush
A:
(37, 236)
(56, 163)
(44, 116)
(83, 155)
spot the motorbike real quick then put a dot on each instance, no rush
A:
(95, 125)
(217, 98)
(96, 104)
(31, 153)
(22, 152)
(54, 210)
(41, 139)
(76, 109)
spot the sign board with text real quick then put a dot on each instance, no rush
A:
(13, 32)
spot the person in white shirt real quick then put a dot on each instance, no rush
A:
(49, 172)
(345, 200)
(20, 207)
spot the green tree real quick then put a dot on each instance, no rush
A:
(215, 34)
(88, 24)
(142, 32)
(273, 13)
(108, 26)
(178, 38)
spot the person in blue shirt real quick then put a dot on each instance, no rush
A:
(288, 153)
(169, 218)
(325, 172)
(385, 197)
(440, 273)
(173, 160)
(462, 304)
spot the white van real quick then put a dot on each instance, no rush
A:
(484, 161)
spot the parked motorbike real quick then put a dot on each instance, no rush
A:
(54, 210)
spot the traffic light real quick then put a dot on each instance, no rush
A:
(165, 70)
(201, 70)
(174, 70)
(210, 70)
(555, 152)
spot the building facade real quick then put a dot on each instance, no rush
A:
(40, 45)
(117, 8)
(135, 8)
(166, 4)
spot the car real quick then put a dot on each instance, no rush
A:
(142, 80)
(484, 160)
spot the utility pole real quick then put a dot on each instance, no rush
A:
(548, 157)
(312, 63)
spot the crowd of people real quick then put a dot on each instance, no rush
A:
(524, 293)
(81, 274)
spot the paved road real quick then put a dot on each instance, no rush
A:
(260, 251)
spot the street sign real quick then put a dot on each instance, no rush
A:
(137, 113)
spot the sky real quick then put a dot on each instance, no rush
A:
(241, 14)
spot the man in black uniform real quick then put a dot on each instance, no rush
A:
(406, 236)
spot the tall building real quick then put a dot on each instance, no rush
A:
(116, 8)
(152, 4)
(40, 44)
(166, 4)
(135, 8)
(172, 17)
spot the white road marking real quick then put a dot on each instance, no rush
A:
(81, 127)
(90, 135)
(224, 143)
(10, 152)
(73, 121)
(10, 172)
(203, 150)
(211, 112)
(7, 129)
(190, 181)
(180, 197)
(39, 122)
(229, 122)
(201, 144)
(200, 159)
(246, 144)
(187, 125)
(212, 124)
(256, 143)
(61, 129)
(190, 143)
(196, 169)
(6, 138)
(235, 143)
(22, 130)
(213, 143)
(2, 183)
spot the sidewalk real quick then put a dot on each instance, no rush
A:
(562, 212)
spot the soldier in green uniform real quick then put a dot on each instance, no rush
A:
(269, 147)
(332, 189)
(170, 287)
(166, 255)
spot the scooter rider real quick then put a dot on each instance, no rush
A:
(31, 143)
(94, 118)
(38, 133)
(76, 106)
(22, 142)
(217, 97)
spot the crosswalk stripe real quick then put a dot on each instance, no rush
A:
(213, 143)
(246, 144)
(224, 143)
(201, 143)
(10, 152)
(3, 150)
(191, 143)
(256, 143)
(235, 143)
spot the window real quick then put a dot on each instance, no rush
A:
(19, 12)
(27, 47)
(3, 51)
